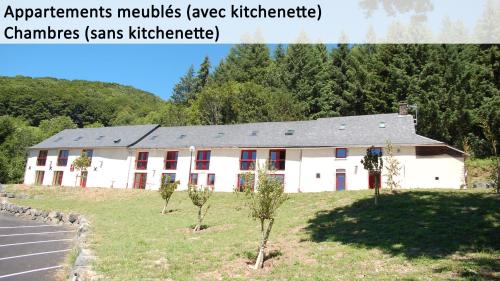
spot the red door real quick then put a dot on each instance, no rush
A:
(83, 179)
(140, 180)
(371, 180)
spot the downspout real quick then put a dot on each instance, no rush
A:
(300, 170)
(129, 166)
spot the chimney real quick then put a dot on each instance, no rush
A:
(403, 108)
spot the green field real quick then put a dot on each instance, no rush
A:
(417, 235)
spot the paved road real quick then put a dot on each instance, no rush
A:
(32, 251)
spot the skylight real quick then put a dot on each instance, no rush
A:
(100, 137)
(78, 138)
(58, 139)
(254, 133)
(289, 132)
(220, 135)
(182, 136)
(117, 140)
(381, 125)
(154, 137)
(342, 127)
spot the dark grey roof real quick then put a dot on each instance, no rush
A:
(122, 136)
(327, 132)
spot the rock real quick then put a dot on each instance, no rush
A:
(45, 214)
(3, 194)
(84, 258)
(53, 214)
(38, 213)
(2, 188)
(11, 195)
(72, 218)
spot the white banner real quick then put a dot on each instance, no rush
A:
(285, 21)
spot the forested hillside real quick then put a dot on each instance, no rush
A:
(37, 99)
(456, 89)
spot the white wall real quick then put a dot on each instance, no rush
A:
(115, 167)
(109, 168)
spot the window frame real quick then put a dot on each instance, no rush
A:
(250, 161)
(57, 181)
(39, 177)
(172, 162)
(86, 152)
(165, 175)
(62, 161)
(282, 176)
(191, 179)
(138, 161)
(272, 163)
(340, 149)
(208, 179)
(205, 161)
(141, 184)
(40, 160)
(238, 183)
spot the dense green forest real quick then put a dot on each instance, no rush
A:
(456, 89)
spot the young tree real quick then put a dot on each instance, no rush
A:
(167, 188)
(373, 163)
(392, 167)
(495, 169)
(81, 163)
(263, 204)
(199, 196)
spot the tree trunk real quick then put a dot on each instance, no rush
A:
(165, 207)
(376, 190)
(259, 263)
(198, 226)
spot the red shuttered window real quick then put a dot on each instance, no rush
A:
(203, 160)
(142, 161)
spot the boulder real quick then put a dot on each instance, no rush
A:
(45, 214)
(11, 195)
(72, 218)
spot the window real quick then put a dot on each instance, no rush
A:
(245, 181)
(171, 160)
(203, 160)
(169, 176)
(58, 177)
(341, 153)
(42, 158)
(142, 161)
(247, 160)
(140, 180)
(211, 179)
(277, 159)
(62, 159)
(280, 178)
(376, 151)
(88, 153)
(193, 179)
(39, 175)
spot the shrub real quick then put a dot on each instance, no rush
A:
(199, 196)
(167, 188)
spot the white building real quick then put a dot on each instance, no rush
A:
(309, 156)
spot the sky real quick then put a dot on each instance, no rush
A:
(152, 68)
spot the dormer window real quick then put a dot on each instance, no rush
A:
(342, 127)
(289, 132)
(341, 153)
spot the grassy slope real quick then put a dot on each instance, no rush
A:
(419, 235)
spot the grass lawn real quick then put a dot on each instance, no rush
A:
(417, 235)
